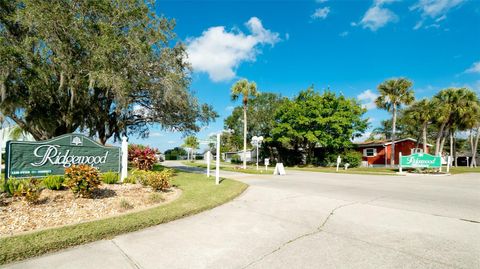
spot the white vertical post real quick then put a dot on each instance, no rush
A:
(124, 172)
(339, 160)
(400, 161)
(257, 156)
(448, 163)
(217, 168)
(208, 163)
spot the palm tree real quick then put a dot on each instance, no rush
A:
(246, 89)
(421, 113)
(192, 143)
(454, 107)
(393, 94)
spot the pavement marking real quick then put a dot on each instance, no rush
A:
(130, 260)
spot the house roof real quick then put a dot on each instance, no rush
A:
(378, 143)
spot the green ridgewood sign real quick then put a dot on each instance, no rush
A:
(51, 157)
(421, 160)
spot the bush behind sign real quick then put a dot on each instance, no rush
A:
(51, 157)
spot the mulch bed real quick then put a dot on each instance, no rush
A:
(58, 208)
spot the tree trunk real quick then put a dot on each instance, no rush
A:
(473, 162)
(424, 135)
(394, 122)
(442, 143)
(244, 136)
(439, 138)
(454, 148)
(451, 145)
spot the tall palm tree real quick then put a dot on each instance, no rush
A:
(421, 112)
(393, 94)
(245, 89)
(454, 107)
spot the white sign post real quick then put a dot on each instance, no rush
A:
(400, 163)
(217, 168)
(339, 160)
(267, 163)
(124, 171)
(257, 141)
(449, 161)
(208, 163)
(279, 169)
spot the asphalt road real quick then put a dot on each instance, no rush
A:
(307, 220)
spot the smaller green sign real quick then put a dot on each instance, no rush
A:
(421, 160)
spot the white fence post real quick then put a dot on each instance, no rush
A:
(208, 163)
(217, 168)
(449, 160)
(400, 162)
(124, 159)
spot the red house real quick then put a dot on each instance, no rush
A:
(376, 153)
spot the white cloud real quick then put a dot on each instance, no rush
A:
(377, 16)
(367, 98)
(229, 108)
(434, 9)
(219, 52)
(474, 69)
(321, 1)
(343, 34)
(321, 13)
(156, 134)
(172, 142)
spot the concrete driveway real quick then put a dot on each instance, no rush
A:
(307, 220)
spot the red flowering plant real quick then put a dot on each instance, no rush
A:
(142, 157)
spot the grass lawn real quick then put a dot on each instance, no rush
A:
(357, 170)
(463, 169)
(199, 194)
(251, 169)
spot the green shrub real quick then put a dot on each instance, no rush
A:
(53, 182)
(110, 177)
(138, 176)
(160, 181)
(353, 157)
(236, 159)
(30, 189)
(82, 179)
(13, 187)
(130, 180)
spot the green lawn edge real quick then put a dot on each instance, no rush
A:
(198, 194)
(380, 171)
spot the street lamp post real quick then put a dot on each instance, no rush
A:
(256, 142)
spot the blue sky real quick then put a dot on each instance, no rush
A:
(348, 46)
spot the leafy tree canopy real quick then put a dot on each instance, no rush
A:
(314, 119)
(106, 66)
(260, 114)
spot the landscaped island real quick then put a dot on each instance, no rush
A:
(105, 211)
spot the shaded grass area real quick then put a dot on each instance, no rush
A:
(357, 170)
(233, 168)
(463, 169)
(199, 194)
